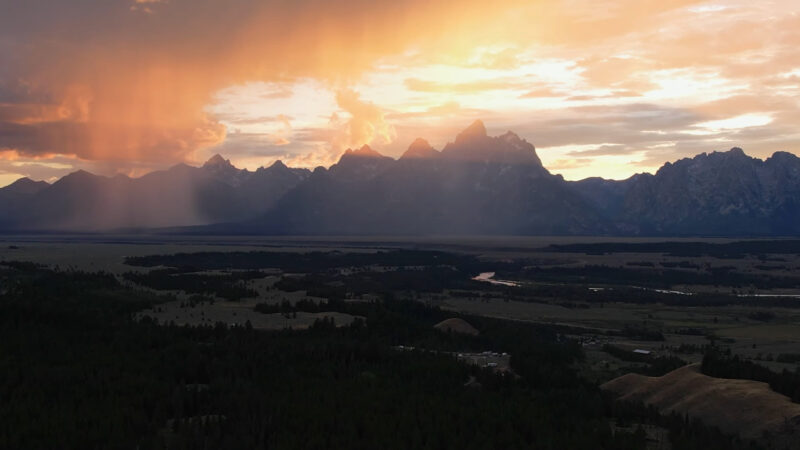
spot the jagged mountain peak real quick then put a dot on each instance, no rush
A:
(510, 136)
(217, 161)
(277, 166)
(223, 170)
(710, 162)
(365, 151)
(420, 149)
(783, 158)
(420, 144)
(474, 145)
(735, 153)
(79, 174)
(725, 193)
(361, 163)
(476, 130)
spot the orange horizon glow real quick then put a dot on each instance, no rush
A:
(129, 86)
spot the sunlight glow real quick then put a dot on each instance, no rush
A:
(735, 123)
(168, 82)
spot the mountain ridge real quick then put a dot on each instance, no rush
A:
(477, 184)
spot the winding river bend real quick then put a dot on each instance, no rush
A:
(488, 277)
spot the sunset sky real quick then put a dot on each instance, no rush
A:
(606, 88)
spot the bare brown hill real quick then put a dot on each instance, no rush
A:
(744, 407)
(456, 325)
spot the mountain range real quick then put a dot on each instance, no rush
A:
(477, 184)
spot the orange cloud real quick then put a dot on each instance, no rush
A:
(129, 91)
(9, 155)
(112, 85)
(366, 125)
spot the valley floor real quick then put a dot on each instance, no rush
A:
(568, 319)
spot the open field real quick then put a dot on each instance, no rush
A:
(185, 311)
(107, 252)
(730, 324)
(746, 337)
(237, 314)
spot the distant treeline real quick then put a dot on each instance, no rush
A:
(302, 262)
(653, 365)
(684, 433)
(332, 285)
(788, 358)
(578, 293)
(229, 285)
(738, 249)
(654, 278)
(717, 363)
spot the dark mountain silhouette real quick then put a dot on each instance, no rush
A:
(474, 145)
(725, 193)
(420, 149)
(477, 184)
(179, 196)
(360, 164)
(23, 186)
(261, 190)
(222, 169)
(14, 197)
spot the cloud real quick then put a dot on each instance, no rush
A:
(134, 87)
(366, 123)
(602, 150)
(541, 93)
(416, 84)
(132, 84)
(146, 6)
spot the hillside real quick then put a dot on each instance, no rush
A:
(743, 407)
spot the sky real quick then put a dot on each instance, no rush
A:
(601, 88)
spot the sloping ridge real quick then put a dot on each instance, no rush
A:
(456, 325)
(744, 407)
